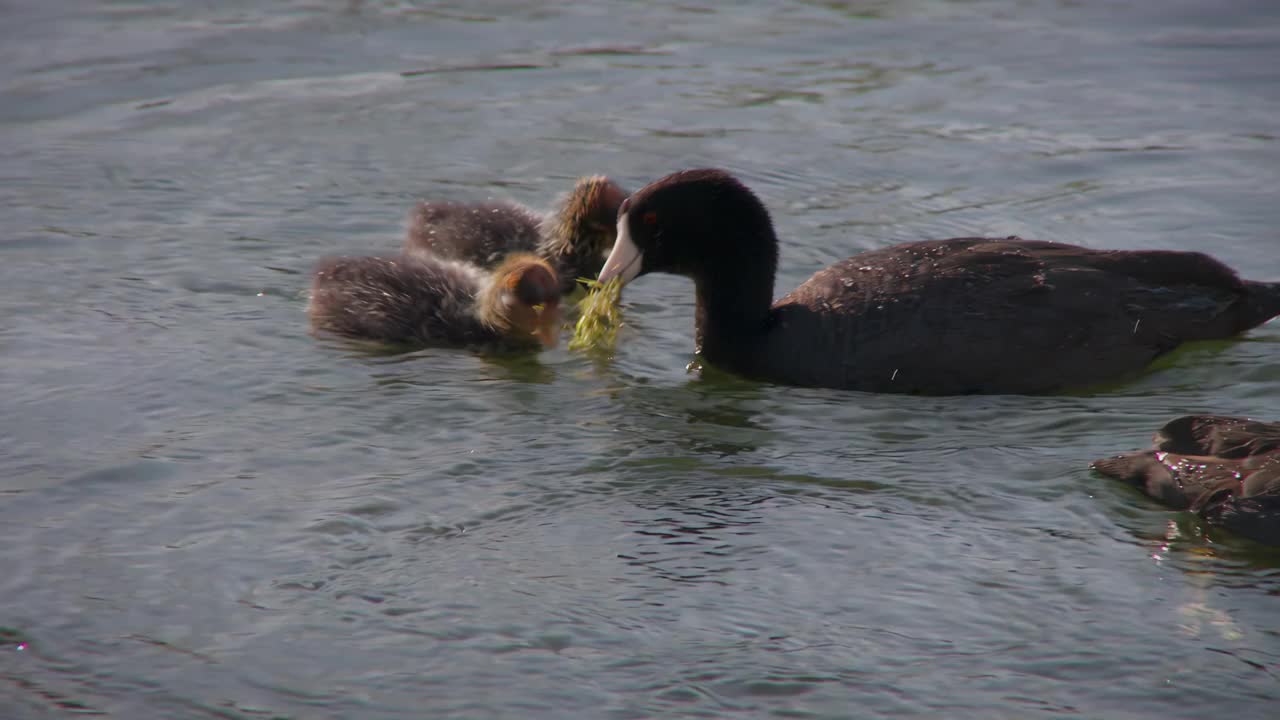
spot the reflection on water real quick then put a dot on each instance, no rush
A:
(712, 522)
(209, 512)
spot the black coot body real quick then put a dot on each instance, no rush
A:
(958, 316)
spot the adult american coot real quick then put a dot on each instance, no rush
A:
(966, 315)
(1226, 469)
(430, 301)
(574, 237)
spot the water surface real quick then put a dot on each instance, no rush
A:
(209, 513)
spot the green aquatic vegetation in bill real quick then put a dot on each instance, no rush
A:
(599, 315)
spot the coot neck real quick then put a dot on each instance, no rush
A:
(734, 299)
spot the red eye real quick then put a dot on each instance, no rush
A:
(651, 218)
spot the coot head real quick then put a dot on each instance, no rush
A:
(524, 299)
(697, 223)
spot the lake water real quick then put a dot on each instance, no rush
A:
(206, 512)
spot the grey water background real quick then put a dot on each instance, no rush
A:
(207, 512)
